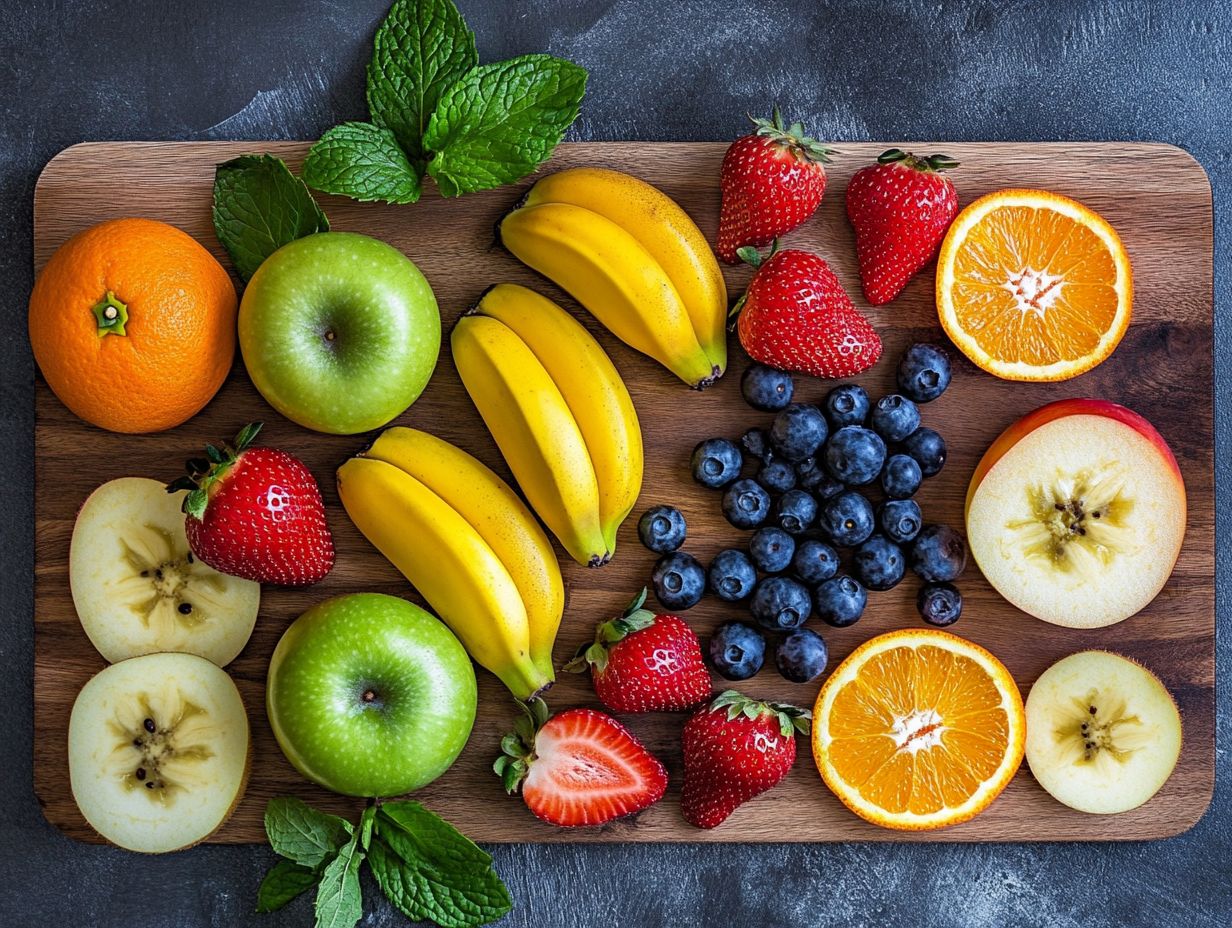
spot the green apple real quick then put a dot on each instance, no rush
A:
(340, 332)
(369, 695)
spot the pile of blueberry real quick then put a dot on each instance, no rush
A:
(807, 499)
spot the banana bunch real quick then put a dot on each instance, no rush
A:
(559, 412)
(629, 254)
(468, 543)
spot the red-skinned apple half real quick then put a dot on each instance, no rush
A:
(1076, 513)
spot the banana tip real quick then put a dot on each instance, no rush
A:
(715, 373)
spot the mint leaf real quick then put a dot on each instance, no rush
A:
(500, 121)
(284, 882)
(429, 870)
(363, 162)
(301, 833)
(259, 206)
(339, 898)
(420, 49)
(366, 821)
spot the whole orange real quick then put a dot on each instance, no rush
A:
(132, 323)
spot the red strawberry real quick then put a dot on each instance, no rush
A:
(771, 181)
(796, 316)
(580, 767)
(256, 513)
(900, 208)
(642, 662)
(734, 749)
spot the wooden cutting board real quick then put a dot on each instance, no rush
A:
(1156, 196)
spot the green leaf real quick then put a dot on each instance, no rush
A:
(259, 206)
(434, 872)
(340, 901)
(421, 48)
(303, 834)
(366, 821)
(284, 882)
(500, 121)
(363, 162)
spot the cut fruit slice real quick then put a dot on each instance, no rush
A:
(1033, 286)
(1076, 513)
(137, 587)
(918, 729)
(158, 751)
(1103, 733)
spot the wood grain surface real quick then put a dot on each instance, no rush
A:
(1156, 196)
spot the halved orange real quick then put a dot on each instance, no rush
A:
(1032, 285)
(918, 729)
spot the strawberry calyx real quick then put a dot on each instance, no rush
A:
(518, 746)
(791, 719)
(633, 619)
(205, 473)
(791, 138)
(928, 164)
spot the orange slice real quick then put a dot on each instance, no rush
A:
(918, 729)
(1033, 286)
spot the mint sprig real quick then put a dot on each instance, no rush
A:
(471, 127)
(426, 868)
(259, 206)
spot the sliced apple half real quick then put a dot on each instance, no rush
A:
(1103, 734)
(137, 587)
(1076, 513)
(158, 751)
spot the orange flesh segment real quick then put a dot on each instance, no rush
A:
(953, 711)
(1056, 264)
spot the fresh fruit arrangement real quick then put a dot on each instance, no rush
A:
(810, 498)
(559, 412)
(634, 259)
(1076, 514)
(468, 544)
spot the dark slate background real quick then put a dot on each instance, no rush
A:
(660, 69)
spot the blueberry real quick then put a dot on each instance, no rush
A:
(900, 519)
(895, 417)
(854, 455)
(771, 549)
(927, 447)
(731, 575)
(923, 373)
(737, 650)
(939, 603)
(821, 485)
(847, 519)
(716, 462)
(809, 465)
(776, 476)
(795, 511)
(765, 388)
(938, 553)
(840, 601)
(679, 580)
(879, 563)
(746, 504)
(780, 604)
(798, 431)
(901, 476)
(756, 444)
(801, 656)
(814, 562)
(661, 529)
(846, 404)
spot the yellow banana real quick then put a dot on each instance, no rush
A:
(591, 386)
(535, 431)
(664, 229)
(453, 568)
(498, 515)
(612, 274)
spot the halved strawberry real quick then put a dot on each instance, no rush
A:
(580, 767)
